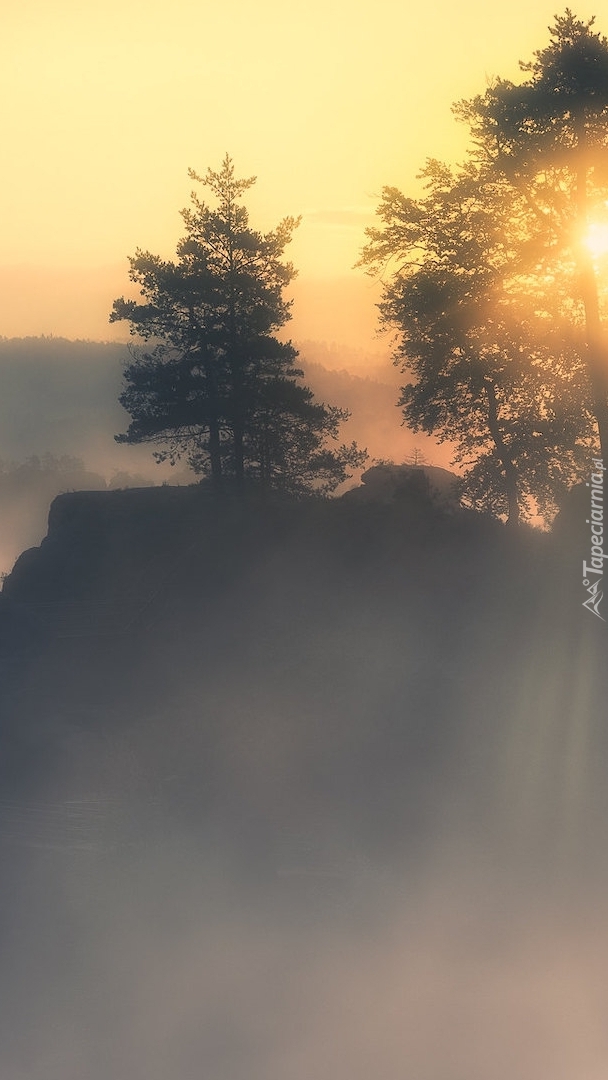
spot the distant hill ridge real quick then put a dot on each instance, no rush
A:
(61, 396)
(98, 541)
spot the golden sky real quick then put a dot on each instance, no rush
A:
(106, 105)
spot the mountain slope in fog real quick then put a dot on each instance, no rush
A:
(61, 397)
(300, 789)
(59, 401)
(390, 667)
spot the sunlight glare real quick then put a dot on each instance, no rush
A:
(596, 239)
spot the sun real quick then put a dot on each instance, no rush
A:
(595, 239)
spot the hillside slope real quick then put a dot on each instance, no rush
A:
(277, 649)
(287, 788)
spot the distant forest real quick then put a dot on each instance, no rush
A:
(59, 412)
(302, 718)
(491, 293)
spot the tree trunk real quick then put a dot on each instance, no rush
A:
(214, 453)
(215, 456)
(238, 421)
(239, 457)
(511, 485)
(597, 353)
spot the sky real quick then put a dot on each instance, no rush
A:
(106, 106)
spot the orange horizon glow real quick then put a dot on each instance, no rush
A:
(105, 108)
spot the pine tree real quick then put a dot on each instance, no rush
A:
(217, 385)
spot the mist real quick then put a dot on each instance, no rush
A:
(322, 795)
(59, 413)
(73, 302)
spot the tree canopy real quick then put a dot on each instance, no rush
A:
(548, 137)
(485, 294)
(216, 385)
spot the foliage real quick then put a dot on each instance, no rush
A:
(533, 129)
(216, 385)
(416, 457)
(548, 137)
(495, 364)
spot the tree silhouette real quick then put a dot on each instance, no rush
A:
(417, 457)
(548, 137)
(217, 386)
(495, 367)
